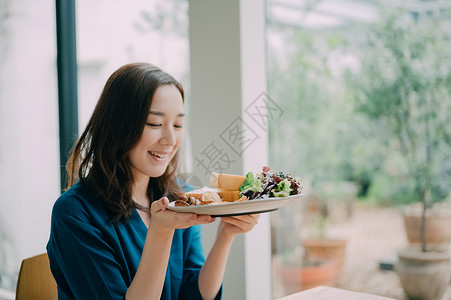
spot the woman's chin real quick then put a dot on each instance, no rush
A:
(157, 172)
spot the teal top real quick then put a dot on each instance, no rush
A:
(92, 258)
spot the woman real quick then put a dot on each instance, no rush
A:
(111, 234)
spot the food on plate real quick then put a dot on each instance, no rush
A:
(206, 195)
(267, 185)
(201, 196)
(181, 203)
(229, 196)
(226, 182)
(227, 185)
(236, 188)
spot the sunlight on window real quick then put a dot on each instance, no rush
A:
(151, 31)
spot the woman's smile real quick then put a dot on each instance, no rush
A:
(160, 155)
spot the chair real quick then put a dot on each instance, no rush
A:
(36, 280)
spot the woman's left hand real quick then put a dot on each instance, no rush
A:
(238, 224)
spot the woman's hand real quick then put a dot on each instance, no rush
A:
(237, 224)
(149, 278)
(162, 218)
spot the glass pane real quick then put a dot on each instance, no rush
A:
(29, 150)
(364, 86)
(150, 31)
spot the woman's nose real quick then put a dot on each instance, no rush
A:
(168, 137)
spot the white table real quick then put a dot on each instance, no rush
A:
(329, 293)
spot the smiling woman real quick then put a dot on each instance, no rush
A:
(116, 134)
(112, 235)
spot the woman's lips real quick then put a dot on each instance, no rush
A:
(159, 155)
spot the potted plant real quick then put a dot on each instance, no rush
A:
(438, 220)
(316, 258)
(318, 244)
(298, 274)
(404, 84)
(295, 270)
(321, 257)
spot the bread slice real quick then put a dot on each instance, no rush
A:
(199, 192)
(227, 182)
(212, 193)
(229, 196)
(205, 195)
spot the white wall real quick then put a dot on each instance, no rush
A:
(227, 76)
(29, 154)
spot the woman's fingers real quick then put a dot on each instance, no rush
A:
(195, 218)
(185, 220)
(176, 220)
(249, 219)
(245, 223)
(159, 205)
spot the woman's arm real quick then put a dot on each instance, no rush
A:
(149, 279)
(212, 273)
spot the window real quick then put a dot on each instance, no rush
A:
(332, 66)
(107, 38)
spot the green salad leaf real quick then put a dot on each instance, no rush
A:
(251, 183)
(282, 189)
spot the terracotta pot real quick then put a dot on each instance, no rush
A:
(295, 279)
(424, 275)
(438, 228)
(326, 248)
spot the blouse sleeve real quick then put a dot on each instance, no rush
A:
(193, 262)
(82, 263)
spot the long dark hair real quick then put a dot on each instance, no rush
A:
(100, 158)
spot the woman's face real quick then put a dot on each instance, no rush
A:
(162, 135)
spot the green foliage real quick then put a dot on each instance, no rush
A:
(404, 85)
(371, 105)
(324, 138)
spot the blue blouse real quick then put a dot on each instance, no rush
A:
(92, 258)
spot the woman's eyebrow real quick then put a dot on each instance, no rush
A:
(159, 113)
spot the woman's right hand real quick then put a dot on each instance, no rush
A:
(163, 218)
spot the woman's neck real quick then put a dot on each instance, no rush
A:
(139, 191)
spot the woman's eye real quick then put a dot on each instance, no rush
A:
(153, 125)
(178, 126)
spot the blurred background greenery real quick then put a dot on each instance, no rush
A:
(369, 104)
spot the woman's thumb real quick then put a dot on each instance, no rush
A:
(160, 204)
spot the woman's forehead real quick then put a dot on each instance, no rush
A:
(167, 98)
